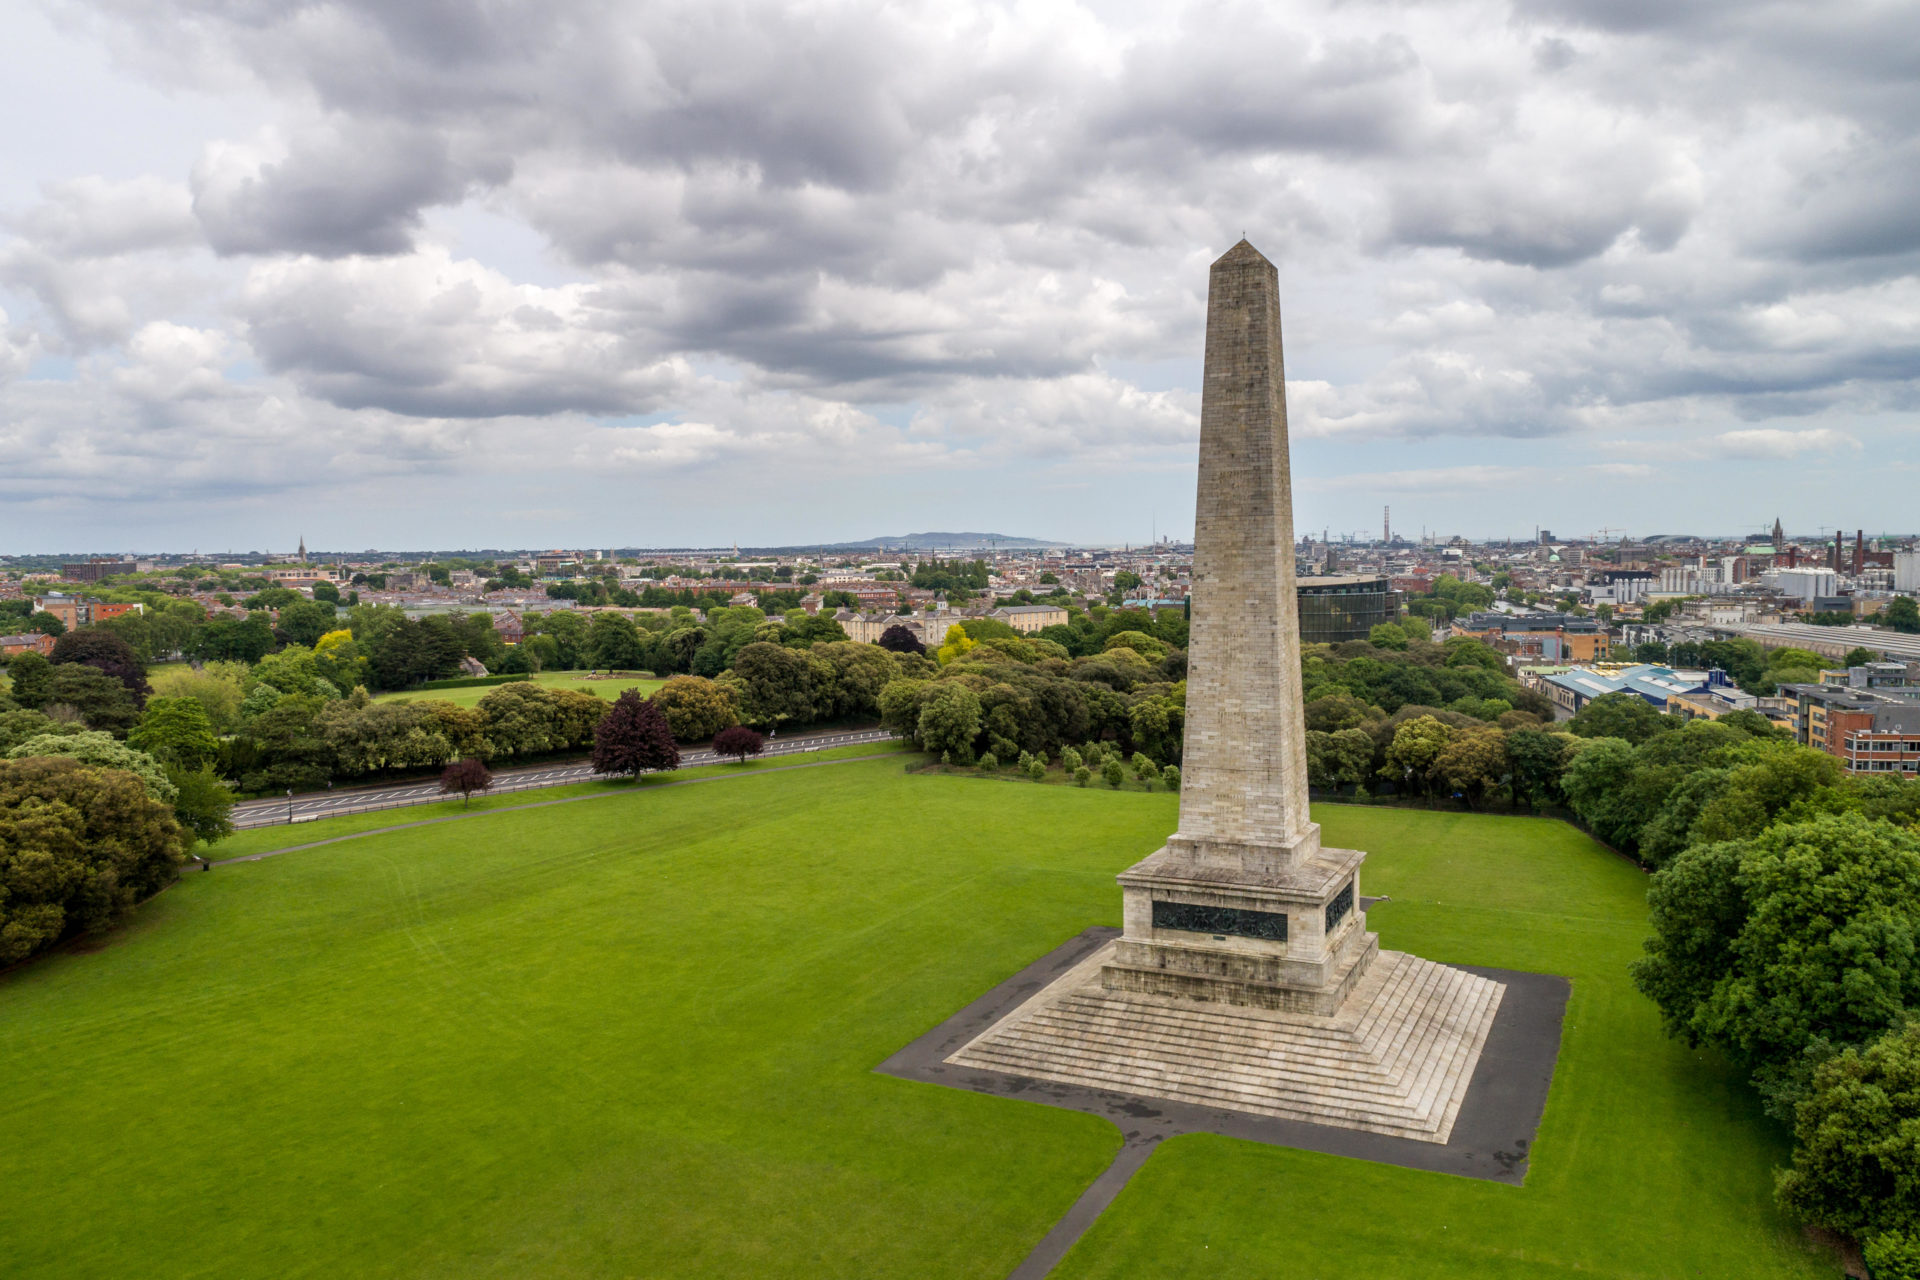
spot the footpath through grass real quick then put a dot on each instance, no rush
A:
(636, 1038)
(608, 688)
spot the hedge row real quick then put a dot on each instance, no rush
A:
(473, 682)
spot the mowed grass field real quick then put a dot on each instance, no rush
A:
(635, 1037)
(603, 688)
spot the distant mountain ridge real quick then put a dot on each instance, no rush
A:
(935, 541)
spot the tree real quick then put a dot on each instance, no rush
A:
(1082, 776)
(956, 643)
(466, 776)
(949, 720)
(326, 593)
(303, 622)
(1807, 934)
(775, 685)
(219, 688)
(1535, 758)
(232, 640)
(1415, 746)
(633, 737)
(45, 623)
(1114, 772)
(1902, 615)
(613, 642)
(79, 847)
(738, 742)
(1387, 635)
(900, 639)
(30, 678)
(696, 708)
(99, 699)
(1626, 716)
(861, 672)
(1859, 657)
(107, 653)
(176, 731)
(1171, 776)
(1856, 1162)
(103, 752)
(202, 804)
(1473, 763)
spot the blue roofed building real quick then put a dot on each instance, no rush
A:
(1574, 688)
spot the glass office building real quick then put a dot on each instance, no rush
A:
(1335, 609)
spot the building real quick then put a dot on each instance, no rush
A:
(1029, 618)
(302, 577)
(1712, 700)
(1868, 729)
(97, 568)
(26, 642)
(1573, 689)
(1338, 608)
(1906, 571)
(1538, 637)
(1805, 585)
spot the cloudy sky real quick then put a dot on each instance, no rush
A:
(591, 272)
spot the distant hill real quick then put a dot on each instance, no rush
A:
(930, 542)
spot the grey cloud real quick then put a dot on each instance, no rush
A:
(338, 190)
(972, 209)
(92, 217)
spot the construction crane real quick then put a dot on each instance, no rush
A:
(1601, 536)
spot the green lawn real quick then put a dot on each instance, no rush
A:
(634, 1037)
(284, 835)
(467, 697)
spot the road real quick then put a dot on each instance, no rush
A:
(330, 804)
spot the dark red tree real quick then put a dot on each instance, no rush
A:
(738, 742)
(899, 639)
(633, 737)
(107, 653)
(466, 777)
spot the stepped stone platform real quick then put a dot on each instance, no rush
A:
(1491, 1038)
(1396, 1059)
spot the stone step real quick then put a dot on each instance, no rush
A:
(1396, 1060)
(1252, 1080)
(1128, 1078)
(1258, 1066)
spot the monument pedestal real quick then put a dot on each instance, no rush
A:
(1262, 926)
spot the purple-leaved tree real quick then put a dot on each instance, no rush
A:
(738, 742)
(633, 737)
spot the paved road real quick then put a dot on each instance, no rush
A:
(329, 804)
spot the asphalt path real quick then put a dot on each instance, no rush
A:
(312, 805)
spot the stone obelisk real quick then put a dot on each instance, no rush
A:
(1243, 906)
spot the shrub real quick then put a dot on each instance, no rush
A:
(1082, 776)
(1114, 772)
(1036, 771)
(1143, 767)
(1069, 759)
(989, 762)
(1171, 776)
